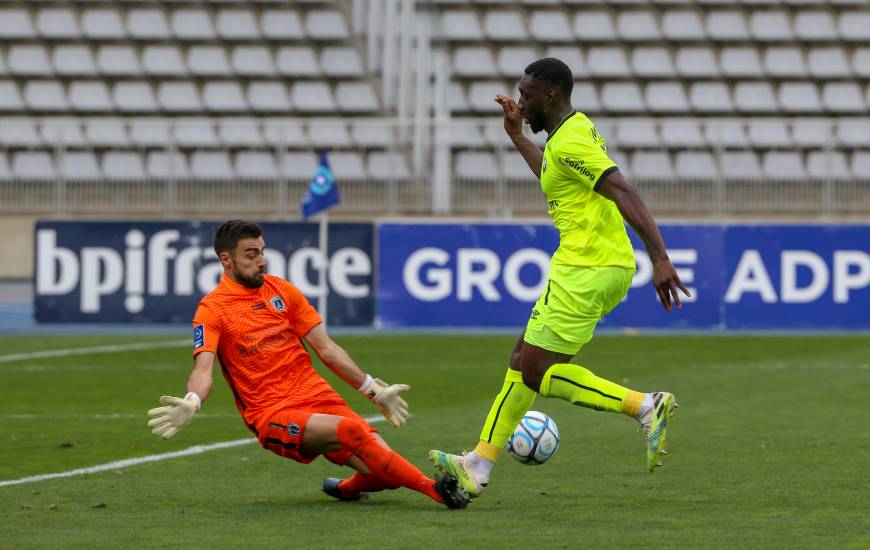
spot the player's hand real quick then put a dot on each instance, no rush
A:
(666, 282)
(388, 400)
(178, 412)
(513, 119)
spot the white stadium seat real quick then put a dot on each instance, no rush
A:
(223, 97)
(550, 26)
(508, 25)
(572, 57)
(460, 25)
(695, 164)
(297, 61)
(652, 62)
(192, 24)
(828, 63)
(102, 24)
(45, 96)
(16, 23)
(62, 131)
(827, 164)
(268, 96)
(683, 26)
(666, 97)
(281, 25)
(783, 165)
(5, 170)
(252, 61)
(726, 133)
(815, 26)
(681, 133)
(697, 62)
(284, 132)
(475, 165)
(122, 165)
(594, 26)
(855, 25)
(347, 165)
(208, 61)
(457, 100)
(341, 61)
(636, 132)
(843, 97)
(163, 61)
(799, 97)
(652, 165)
(73, 61)
(512, 60)
(861, 163)
(387, 165)
(727, 25)
(513, 166)
(146, 132)
(621, 97)
(372, 132)
(160, 164)
(256, 165)
(147, 24)
(473, 61)
(326, 25)
(313, 96)
(178, 96)
(861, 62)
(739, 164)
(328, 132)
(811, 132)
(56, 23)
(79, 165)
(755, 97)
(770, 26)
(638, 26)
(466, 132)
(194, 132)
(784, 62)
(18, 132)
(28, 61)
(106, 132)
(235, 24)
(118, 61)
(298, 165)
(769, 133)
(740, 62)
(607, 61)
(854, 132)
(33, 165)
(584, 98)
(211, 165)
(240, 131)
(481, 96)
(710, 97)
(356, 97)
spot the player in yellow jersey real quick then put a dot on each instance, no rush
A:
(589, 275)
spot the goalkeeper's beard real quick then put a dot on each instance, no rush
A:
(254, 281)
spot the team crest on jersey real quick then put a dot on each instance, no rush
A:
(198, 336)
(277, 303)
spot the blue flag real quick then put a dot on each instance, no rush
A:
(322, 190)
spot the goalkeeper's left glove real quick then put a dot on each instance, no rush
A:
(177, 413)
(386, 397)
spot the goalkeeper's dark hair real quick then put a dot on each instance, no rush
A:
(228, 235)
(553, 71)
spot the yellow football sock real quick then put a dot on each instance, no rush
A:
(507, 410)
(580, 386)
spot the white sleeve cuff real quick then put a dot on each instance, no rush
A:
(367, 384)
(192, 396)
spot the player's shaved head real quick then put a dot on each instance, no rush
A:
(228, 235)
(554, 72)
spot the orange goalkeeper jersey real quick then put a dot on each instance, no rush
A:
(256, 334)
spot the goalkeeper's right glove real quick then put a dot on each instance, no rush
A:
(177, 413)
(386, 397)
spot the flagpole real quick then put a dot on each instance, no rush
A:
(324, 259)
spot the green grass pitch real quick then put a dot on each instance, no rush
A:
(770, 449)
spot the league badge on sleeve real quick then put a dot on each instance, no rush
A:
(198, 336)
(277, 303)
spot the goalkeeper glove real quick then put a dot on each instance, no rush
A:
(387, 398)
(177, 413)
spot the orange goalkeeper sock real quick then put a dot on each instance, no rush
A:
(355, 437)
(365, 483)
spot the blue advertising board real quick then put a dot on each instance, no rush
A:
(740, 276)
(156, 272)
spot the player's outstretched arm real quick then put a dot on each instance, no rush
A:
(177, 412)
(385, 396)
(635, 212)
(513, 126)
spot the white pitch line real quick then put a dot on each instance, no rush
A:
(95, 349)
(118, 464)
(98, 416)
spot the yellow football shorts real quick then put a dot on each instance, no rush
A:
(572, 303)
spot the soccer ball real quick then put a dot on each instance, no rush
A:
(535, 439)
